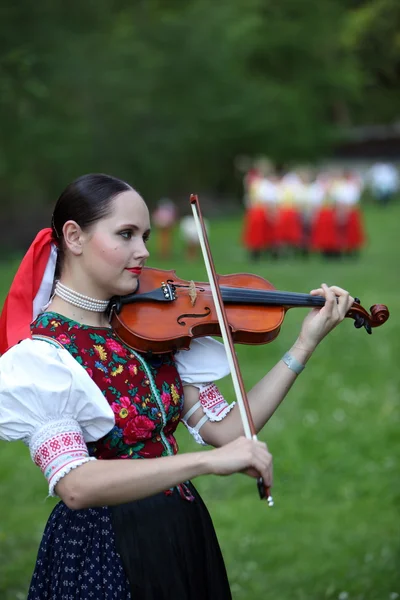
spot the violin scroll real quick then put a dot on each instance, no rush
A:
(362, 318)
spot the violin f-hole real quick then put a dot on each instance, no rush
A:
(193, 316)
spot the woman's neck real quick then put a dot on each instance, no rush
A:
(80, 315)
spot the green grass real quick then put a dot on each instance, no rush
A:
(334, 532)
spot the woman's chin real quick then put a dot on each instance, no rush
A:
(126, 289)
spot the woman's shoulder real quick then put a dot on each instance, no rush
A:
(41, 381)
(54, 322)
(204, 362)
(74, 336)
(28, 351)
(40, 359)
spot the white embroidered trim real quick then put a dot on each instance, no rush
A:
(197, 437)
(64, 472)
(214, 406)
(213, 403)
(52, 428)
(57, 447)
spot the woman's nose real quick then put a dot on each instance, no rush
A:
(141, 251)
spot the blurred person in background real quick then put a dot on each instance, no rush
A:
(190, 238)
(257, 232)
(325, 235)
(306, 200)
(289, 223)
(383, 179)
(347, 195)
(164, 218)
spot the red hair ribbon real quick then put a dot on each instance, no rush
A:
(32, 282)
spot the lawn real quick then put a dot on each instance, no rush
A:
(335, 529)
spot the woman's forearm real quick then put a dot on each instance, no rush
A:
(109, 482)
(268, 393)
(264, 398)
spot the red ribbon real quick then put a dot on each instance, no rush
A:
(17, 313)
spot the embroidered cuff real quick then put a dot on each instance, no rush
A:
(56, 448)
(213, 403)
(214, 406)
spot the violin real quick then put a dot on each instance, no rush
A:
(165, 312)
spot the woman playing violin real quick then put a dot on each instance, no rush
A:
(93, 411)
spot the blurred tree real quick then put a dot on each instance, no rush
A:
(372, 36)
(167, 94)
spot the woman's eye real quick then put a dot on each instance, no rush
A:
(126, 234)
(146, 238)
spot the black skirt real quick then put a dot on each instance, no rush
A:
(158, 548)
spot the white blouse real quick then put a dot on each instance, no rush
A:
(48, 400)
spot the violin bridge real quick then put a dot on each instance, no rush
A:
(192, 293)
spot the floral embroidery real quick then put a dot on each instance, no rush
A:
(101, 353)
(175, 395)
(144, 427)
(63, 339)
(166, 398)
(124, 410)
(117, 371)
(116, 347)
(132, 369)
(138, 428)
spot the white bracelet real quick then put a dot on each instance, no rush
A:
(293, 363)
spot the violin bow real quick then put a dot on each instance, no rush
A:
(237, 379)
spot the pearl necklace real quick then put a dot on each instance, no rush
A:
(79, 300)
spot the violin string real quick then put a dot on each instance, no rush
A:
(271, 300)
(272, 297)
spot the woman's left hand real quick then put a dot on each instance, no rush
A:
(320, 321)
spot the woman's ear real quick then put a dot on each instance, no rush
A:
(73, 237)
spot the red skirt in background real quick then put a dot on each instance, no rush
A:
(256, 230)
(325, 233)
(353, 230)
(289, 227)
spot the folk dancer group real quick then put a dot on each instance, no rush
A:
(299, 214)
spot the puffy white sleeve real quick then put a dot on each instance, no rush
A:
(48, 401)
(204, 363)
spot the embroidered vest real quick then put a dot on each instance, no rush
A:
(146, 395)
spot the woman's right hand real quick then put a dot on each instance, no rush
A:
(242, 456)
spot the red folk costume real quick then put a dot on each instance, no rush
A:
(353, 230)
(349, 194)
(325, 228)
(289, 227)
(74, 393)
(325, 233)
(145, 420)
(256, 234)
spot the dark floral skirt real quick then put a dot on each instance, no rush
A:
(161, 547)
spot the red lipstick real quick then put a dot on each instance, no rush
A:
(136, 270)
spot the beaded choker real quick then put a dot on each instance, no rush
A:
(79, 300)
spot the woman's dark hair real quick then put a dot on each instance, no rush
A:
(86, 200)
